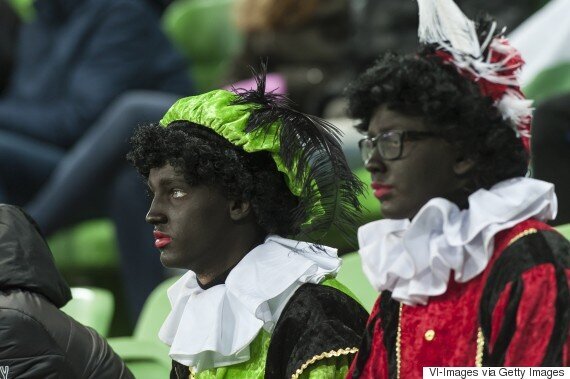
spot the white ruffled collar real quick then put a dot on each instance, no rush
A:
(414, 259)
(214, 327)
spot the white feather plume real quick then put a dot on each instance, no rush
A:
(444, 24)
(441, 21)
(515, 108)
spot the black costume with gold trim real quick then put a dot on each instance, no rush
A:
(320, 325)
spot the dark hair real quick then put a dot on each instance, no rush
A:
(204, 157)
(421, 85)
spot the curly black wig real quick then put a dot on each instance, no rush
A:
(204, 157)
(421, 85)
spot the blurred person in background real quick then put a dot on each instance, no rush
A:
(235, 177)
(75, 59)
(546, 77)
(386, 25)
(469, 273)
(159, 5)
(319, 45)
(551, 149)
(306, 41)
(9, 24)
(37, 339)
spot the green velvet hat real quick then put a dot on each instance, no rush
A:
(305, 148)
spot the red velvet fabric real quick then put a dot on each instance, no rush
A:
(453, 317)
(379, 366)
(498, 315)
(535, 318)
(566, 352)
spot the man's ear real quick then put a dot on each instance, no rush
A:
(239, 209)
(463, 165)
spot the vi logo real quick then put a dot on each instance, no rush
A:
(4, 372)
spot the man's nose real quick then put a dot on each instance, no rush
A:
(155, 215)
(375, 163)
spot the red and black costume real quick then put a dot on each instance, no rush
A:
(515, 313)
(483, 284)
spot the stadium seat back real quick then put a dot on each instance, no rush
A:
(204, 31)
(352, 276)
(92, 307)
(144, 353)
(154, 312)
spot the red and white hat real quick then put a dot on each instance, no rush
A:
(494, 64)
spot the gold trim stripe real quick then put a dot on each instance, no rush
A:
(480, 347)
(326, 354)
(399, 343)
(522, 234)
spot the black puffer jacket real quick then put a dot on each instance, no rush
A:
(37, 340)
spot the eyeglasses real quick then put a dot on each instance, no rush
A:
(390, 144)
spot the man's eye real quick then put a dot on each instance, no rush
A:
(178, 193)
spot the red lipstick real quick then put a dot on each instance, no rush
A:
(161, 239)
(381, 190)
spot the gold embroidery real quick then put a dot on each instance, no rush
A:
(398, 343)
(480, 347)
(326, 354)
(522, 234)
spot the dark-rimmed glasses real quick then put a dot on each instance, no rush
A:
(390, 144)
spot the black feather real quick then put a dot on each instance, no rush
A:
(311, 148)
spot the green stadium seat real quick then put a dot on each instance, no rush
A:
(154, 312)
(24, 8)
(353, 278)
(92, 307)
(145, 355)
(370, 204)
(86, 246)
(145, 359)
(204, 31)
(87, 255)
